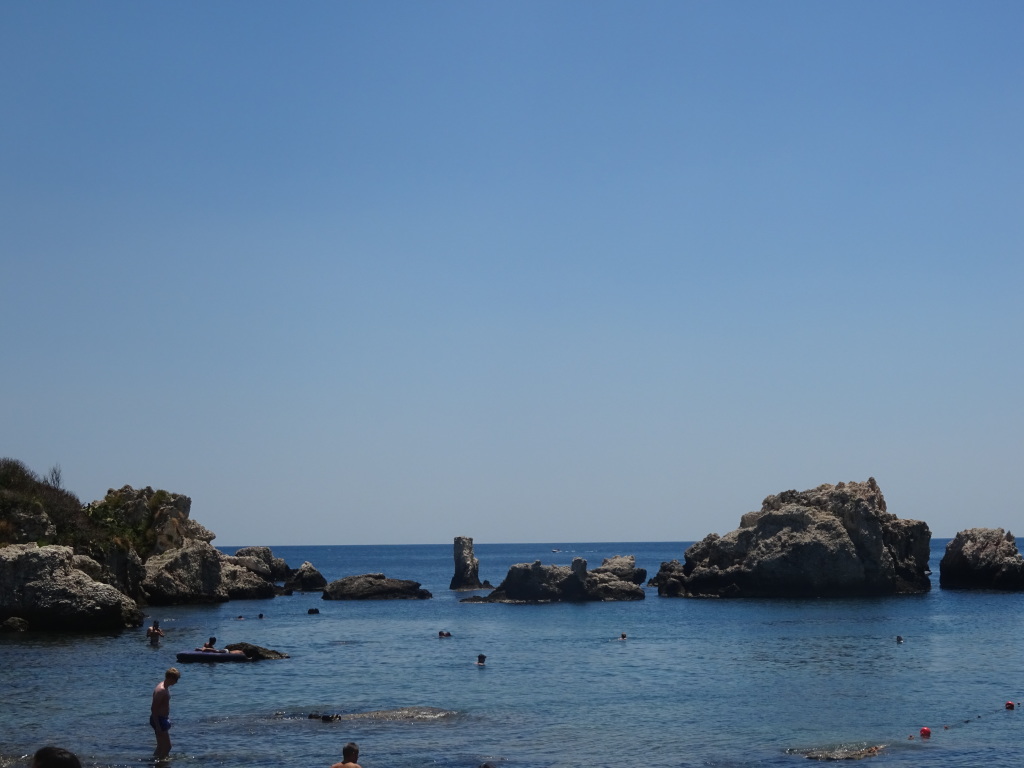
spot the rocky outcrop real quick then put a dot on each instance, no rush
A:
(306, 578)
(196, 572)
(256, 652)
(278, 568)
(141, 542)
(536, 583)
(982, 558)
(374, 586)
(13, 624)
(42, 586)
(830, 541)
(467, 567)
(622, 567)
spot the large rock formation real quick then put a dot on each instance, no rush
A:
(536, 583)
(140, 542)
(467, 567)
(306, 578)
(42, 586)
(196, 572)
(278, 568)
(982, 558)
(374, 586)
(830, 541)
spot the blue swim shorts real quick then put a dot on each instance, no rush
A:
(160, 723)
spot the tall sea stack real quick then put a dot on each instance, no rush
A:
(467, 567)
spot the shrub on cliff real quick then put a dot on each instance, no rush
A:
(36, 509)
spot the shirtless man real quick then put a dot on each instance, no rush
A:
(160, 712)
(349, 756)
(154, 633)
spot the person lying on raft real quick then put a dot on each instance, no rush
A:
(210, 646)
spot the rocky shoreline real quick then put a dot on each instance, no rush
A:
(73, 567)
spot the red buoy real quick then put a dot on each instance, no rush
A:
(1009, 705)
(926, 732)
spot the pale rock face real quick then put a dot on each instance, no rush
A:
(982, 558)
(833, 540)
(43, 586)
(197, 572)
(279, 570)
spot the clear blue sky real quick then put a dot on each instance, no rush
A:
(392, 272)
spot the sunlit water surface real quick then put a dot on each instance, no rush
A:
(697, 682)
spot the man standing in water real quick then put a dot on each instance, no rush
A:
(154, 633)
(160, 712)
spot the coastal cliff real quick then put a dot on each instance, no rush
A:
(69, 566)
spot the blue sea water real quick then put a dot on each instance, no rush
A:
(724, 683)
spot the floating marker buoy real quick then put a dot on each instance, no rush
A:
(926, 732)
(1009, 705)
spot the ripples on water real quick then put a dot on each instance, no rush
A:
(698, 683)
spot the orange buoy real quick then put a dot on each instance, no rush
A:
(926, 732)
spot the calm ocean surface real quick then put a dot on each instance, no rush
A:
(698, 682)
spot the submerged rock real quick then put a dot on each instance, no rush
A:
(401, 714)
(830, 541)
(536, 583)
(374, 586)
(840, 753)
(982, 558)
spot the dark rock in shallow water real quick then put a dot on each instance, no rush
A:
(839, 753)
(467, 567)
(982, 558)
(14, 624)
(374, 586)
(830, 541)
(536, 583)
(306, 578)
(256, 652)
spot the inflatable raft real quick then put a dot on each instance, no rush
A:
(211, 656)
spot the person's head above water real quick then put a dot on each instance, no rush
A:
(350, 752)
